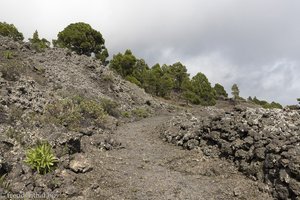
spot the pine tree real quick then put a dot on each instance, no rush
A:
(235, 91)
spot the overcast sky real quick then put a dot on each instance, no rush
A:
(254, 43)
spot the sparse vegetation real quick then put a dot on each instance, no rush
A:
(8, 54)
(11, 71)
(126, 114)
(16, 135)
(140, 113)
(110, 107)
(108, 77)
(74, 112)
(39, 44)
(3, 183)
(41, 158)
(265, 104)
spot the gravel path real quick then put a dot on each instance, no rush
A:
(148, 168)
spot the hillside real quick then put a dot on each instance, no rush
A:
(112, 139)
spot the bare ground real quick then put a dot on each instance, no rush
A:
(148, 168)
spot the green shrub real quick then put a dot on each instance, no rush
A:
(74, 112)
(140, 113)
(39, 44)
(110, 107)
(83, 39)
(91, 109)
(41, 158)
(265, 104)
(126, 114)
(9, 30)
(220, 91)
(132, 79)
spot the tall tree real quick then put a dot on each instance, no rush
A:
(83, 39)
(37, 43)
(179, 73)
(123, 63)
(235, 91)
(220, 91)
(202, 88)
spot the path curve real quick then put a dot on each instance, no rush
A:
(148, 168)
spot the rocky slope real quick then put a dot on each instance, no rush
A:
(68, 100)
(263, 144)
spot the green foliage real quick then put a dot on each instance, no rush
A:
(41, 158)
(8, 54)
(140, 70)
(140, 113)
(265, 104)
(123, 64)
(190, 96)
(179, 74)
(83, 39)
(201, 87)
(132, 79)
(298, 99)
(39, 44)
(75, 112)
(126, 114)
(158, 82)
(9, 30)
(235, 91)
(220, 91)
(274, 105)
(162, 80)
(110, 107)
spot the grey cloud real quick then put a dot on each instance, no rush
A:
(253, 42)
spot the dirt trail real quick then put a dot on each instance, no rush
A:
(148, 168)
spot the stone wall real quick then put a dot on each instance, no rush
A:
(264, 144)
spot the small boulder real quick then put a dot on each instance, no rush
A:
(80, 164)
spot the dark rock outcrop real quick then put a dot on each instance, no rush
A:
(264, 144)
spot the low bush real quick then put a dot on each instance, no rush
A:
(126, 114)
(110, 107)
(41, 158)
(75, 112)
(11, 71)
(8, 54)
(140, 113)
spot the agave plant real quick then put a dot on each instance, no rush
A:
(41, 158)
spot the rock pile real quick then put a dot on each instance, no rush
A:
(264, 144)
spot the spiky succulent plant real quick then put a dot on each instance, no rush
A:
(41, 158)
